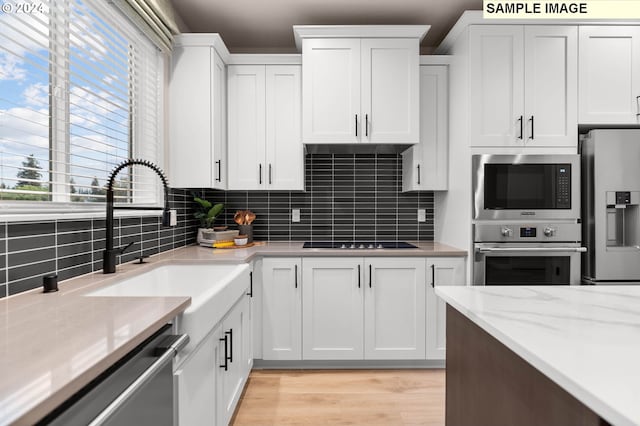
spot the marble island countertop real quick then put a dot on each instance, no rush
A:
(52, 345)
(584, 338)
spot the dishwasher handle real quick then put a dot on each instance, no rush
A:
(532, 249)
(177, 343)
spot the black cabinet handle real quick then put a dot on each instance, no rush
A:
(358, 276)
(269, 173)
(366, 124)
(433, 275)
(532, 136)
(638, 104)
(521, 127)
(226, 354)
(250, 294)
(260, 173)
(295, 274)
(370, 276)
(230, 333)
(418, 174)
(219, 178)
(356, 125)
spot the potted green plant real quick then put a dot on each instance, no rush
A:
(206, 213)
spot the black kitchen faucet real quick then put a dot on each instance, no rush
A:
(168, 216)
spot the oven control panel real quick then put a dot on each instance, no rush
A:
(519, 232)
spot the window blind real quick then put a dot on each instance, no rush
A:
(80, 91)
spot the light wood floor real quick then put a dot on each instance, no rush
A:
(344, 397)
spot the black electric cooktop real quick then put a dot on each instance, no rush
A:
(361, 245)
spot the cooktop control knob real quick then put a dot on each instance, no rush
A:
(380, 246)
(549, 232)
(344, 246)
(361, 246)
(371, 246)
(352, 246)
(506, 232)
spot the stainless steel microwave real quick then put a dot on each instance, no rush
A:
(526, 187)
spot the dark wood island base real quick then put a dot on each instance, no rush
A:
(490, 385)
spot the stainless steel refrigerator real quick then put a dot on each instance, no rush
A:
(611, 206)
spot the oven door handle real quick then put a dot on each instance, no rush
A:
(532, 249)
(167, 356)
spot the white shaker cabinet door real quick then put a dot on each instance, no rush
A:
(496, 87)
(190, 117)
(609, 80)
(284, 149)
(196, 382)
(440, 271)
(331, 91)
(394, 308)
(246, 141)
(390, 91)
(219, 123)
(425, 165)
(332, 308)
(281, 309)
(551, 85)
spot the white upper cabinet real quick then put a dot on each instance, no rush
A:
(247, 132)
(265, 151)
(360, 90)
(424, 165)
(197, 117)
(331, 90)
(523, 86)
(609, 75)
(390, 91)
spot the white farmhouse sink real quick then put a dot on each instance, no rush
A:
(213, 290)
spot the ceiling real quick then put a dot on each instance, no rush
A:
(259, 26)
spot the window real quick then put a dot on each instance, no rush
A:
(80, 91)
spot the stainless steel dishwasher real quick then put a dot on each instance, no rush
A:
(137, 390)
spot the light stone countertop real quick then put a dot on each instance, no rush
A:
(584, 338)
(52, 345)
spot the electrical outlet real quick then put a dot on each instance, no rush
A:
(422, 215)
(295, 215)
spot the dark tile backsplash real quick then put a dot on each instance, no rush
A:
(70, 248)
(348, 196)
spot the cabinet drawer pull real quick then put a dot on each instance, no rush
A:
(230, 355)
(532, 134)
(260, 174)
(219, 178)
(433, 275)
(295, 273)
(356, 125)
(270, 174)
(370, 279)
(250, 294)
(418, 174)
(521, 127)
(226, 354)
(358, 276)
(366, 124)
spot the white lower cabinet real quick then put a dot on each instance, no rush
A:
(196, 380)
(332, 308)
(235, 359)
(441, 271)
(394, 308)
(371, 308)
(211, 379)
(281, 309)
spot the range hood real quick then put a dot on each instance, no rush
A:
(356, 148)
